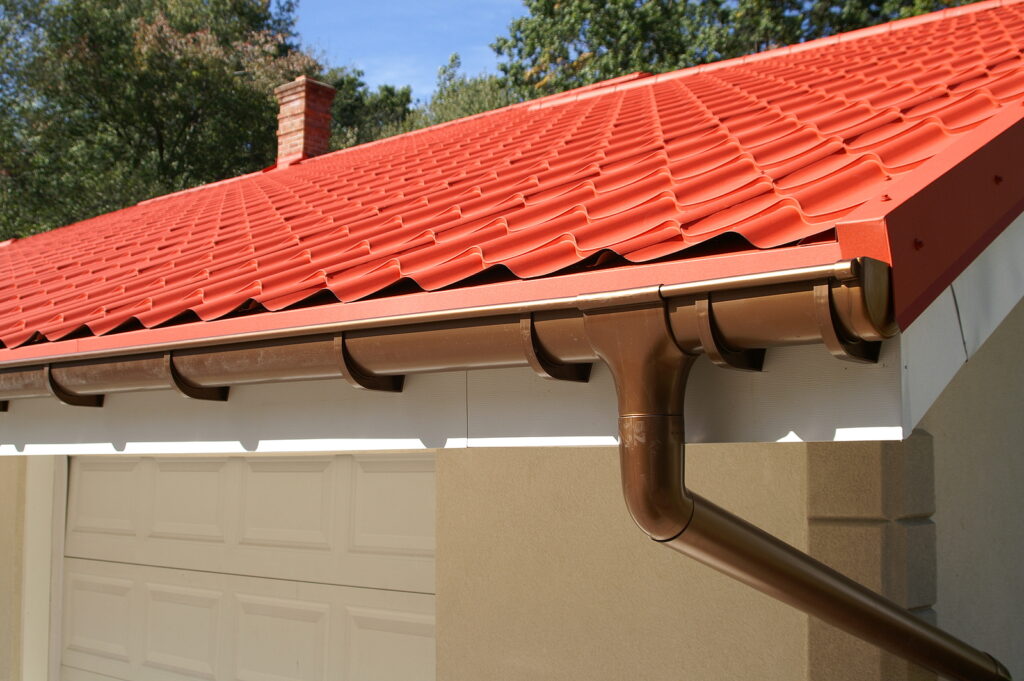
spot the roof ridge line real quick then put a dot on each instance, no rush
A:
(636, 79)
(857, 34)
(198, 187)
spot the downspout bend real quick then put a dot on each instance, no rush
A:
(652, 478)
(636, 342)
(650, 371)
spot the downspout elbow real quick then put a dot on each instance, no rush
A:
(650, 371)
(652, 475)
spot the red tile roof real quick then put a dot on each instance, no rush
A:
(795, 156)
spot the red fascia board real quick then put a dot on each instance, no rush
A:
(306, 320)
(939, 218)
(958, 215)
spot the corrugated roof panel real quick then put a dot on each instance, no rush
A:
(774, 150)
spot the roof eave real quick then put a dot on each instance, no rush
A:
(491, 299)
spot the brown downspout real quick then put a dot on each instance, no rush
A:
(650, 372)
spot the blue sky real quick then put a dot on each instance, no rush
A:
(403, 42)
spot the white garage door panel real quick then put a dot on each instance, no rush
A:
(134, 622)
(358, 520)
(69, 674)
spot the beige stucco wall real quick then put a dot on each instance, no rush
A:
(978, 429)
(869, 512)
(12, 509)
(542, 574)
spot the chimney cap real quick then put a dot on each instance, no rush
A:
(300, 82)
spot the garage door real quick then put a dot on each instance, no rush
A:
(255, 569)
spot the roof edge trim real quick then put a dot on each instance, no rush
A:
(841, 271)
(845, 305)
(368, 312)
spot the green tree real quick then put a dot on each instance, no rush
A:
(19, 41)
(828, 18)
(459, 95)
(118, 102)
(362, 115)
(562, 44)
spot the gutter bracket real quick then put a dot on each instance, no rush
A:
(66, 396)
(542, 363)
(357, 377)
(865, 352)
(716, 349)
(189, 389)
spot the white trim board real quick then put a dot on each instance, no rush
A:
(803, 392)
(955, 326)
(36, 565)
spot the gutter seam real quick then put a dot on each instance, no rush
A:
(959, 322)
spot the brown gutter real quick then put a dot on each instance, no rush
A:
(487, 336)
(649, 338)
(846, 270)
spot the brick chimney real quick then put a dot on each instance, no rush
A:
(304, 122)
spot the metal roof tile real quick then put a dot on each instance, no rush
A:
(777, 149)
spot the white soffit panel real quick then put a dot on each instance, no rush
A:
(803, 394)
(932, 351)
(991, 286)
(517, 408)
(308, 416)
(959, 321)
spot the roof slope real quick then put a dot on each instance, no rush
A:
(819, 143)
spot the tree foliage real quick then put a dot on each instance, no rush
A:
(459, 95)
(112, 103)
(362, 115)
(561, 44)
